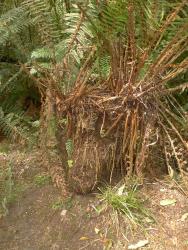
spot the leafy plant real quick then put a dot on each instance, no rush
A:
(42, 180)
(57, 205)
(13, 125)
(69, 150)
(9, 189)
(62, 204)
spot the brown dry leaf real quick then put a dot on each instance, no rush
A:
(184, 217)
(84, 238)
(97, 230)
(108, 244)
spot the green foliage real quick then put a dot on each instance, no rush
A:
(70, 35)
(4, 147)
(62, 204)
(44, 15)
(6, 188)
(13, 124)
(12, 23)
(42, 180)
(107, 23)
(57, 205)
(9, 189)
(126, 201)
(69, 147)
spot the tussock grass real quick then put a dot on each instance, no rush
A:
(126, 201)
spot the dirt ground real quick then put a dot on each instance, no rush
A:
(40, 220)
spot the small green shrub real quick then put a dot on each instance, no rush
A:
(57, 205)
(62, 204)
(42, 180)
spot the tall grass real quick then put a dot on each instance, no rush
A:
(126, 201)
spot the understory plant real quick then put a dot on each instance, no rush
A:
(8, 189)
(113, 70)
(126, 202)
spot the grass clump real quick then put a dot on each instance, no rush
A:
(9, 189)
(126, 201)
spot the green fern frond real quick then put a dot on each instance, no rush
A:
(73, 46)
(12, 22)
(48, 23)
(11, 124)
(8, 84)
(42, 53)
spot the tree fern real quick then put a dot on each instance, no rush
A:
(137, 48)
(142, 46)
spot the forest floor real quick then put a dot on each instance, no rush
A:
(39, 219)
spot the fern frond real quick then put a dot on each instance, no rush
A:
(4, 84)
(12, 22)
(40, 11)
(11, 124)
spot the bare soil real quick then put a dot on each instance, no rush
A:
(38, 220)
